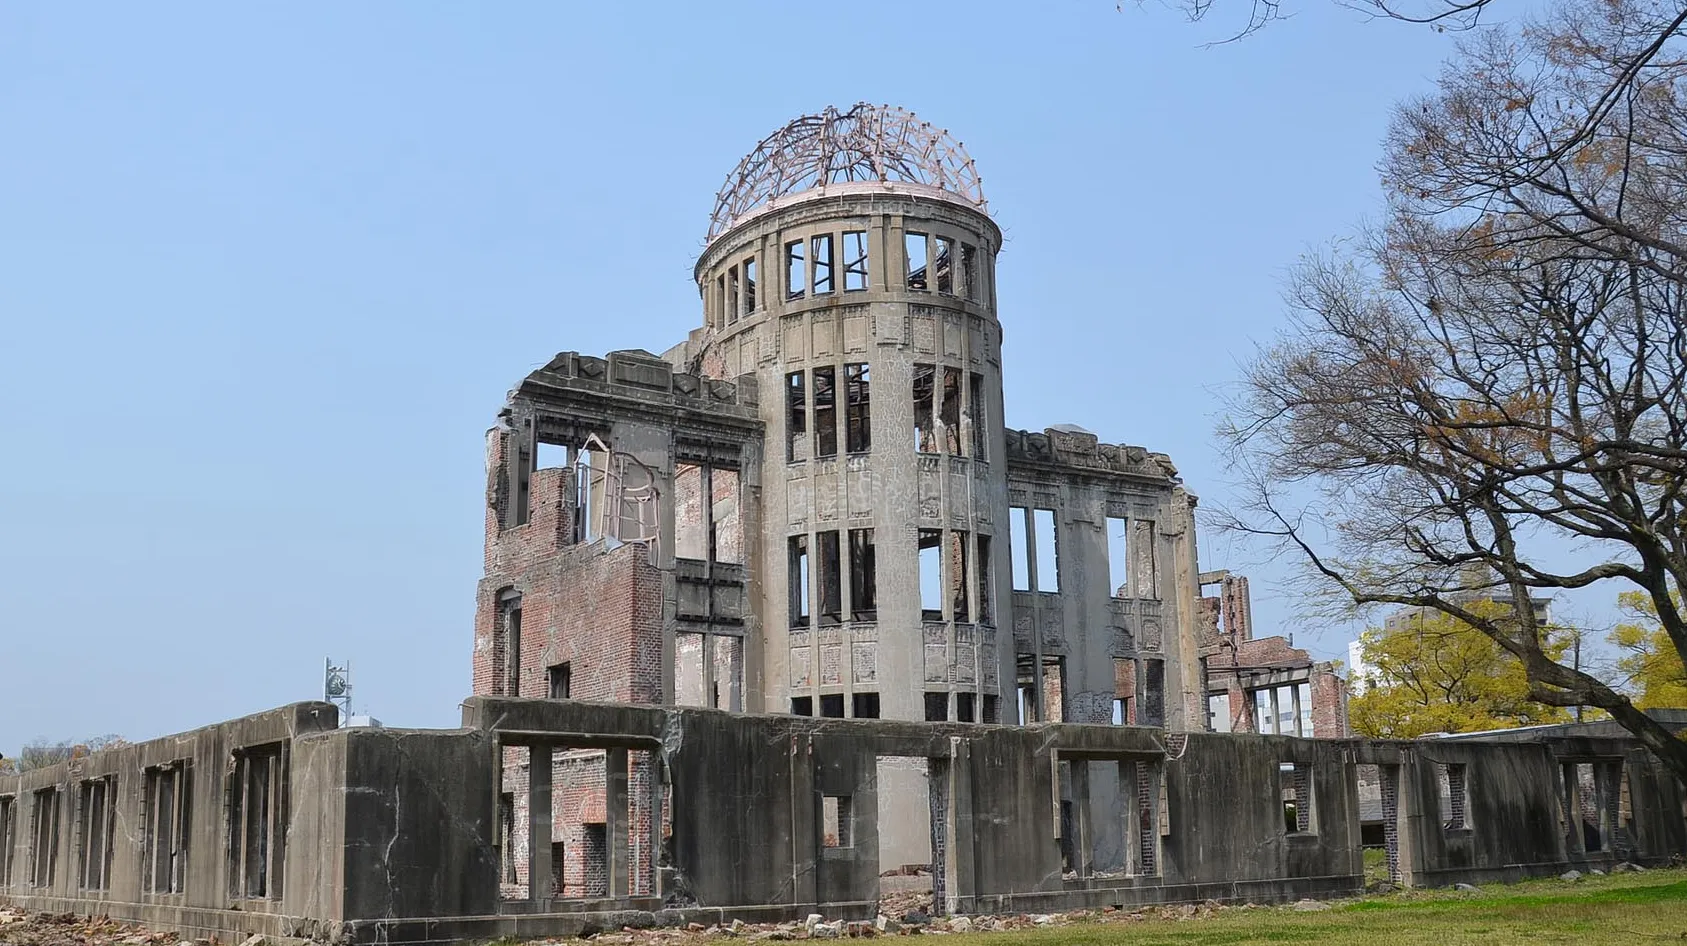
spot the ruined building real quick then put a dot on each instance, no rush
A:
(811, 505)
(787, 605)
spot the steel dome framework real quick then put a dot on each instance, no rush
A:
(868, 143)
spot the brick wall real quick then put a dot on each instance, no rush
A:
(1329, 703)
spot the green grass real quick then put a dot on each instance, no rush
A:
(1621, 910)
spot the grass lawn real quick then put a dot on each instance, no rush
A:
(1625, 909)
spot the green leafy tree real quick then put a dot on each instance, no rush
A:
(1435, 673)
(1653, 665)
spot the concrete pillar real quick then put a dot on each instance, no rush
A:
(1083, 840)
(962, 882)
(540, 888)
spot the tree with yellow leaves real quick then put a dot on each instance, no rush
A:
(1654, 667)
(1433, 673)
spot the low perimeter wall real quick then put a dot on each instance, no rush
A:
(549, 817)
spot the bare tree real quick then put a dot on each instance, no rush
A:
(1498, 372)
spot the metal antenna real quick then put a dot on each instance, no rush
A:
(336, 687)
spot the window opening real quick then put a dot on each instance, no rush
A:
(831, 705)
(1048, 570)
(1054, 690)
(1118, 556)
(732, 295)
(959, 589)
(863, 576)
(969, 270)
(720, 299)
(257, 823)
(924, 378)
(1153, 705)
(510, 607)
(931, 574)
(825, 412)
(559, 680)
(796, 271)
(944, 265)
(952, 411)
(690, 539)
(831, 577)
(1019, 549)
(864, 705)
(97, 827)
(1218, 712)
(966, 707)
(1295, 788)
(749, 285)
(822, 264)
(1147, 584)
(726, 537)
(8, 836)
(855, 260)
(992, 708)
(1451, 779)
(914, 245)
(802, 706)
(1303, 710)
(837, 813)
(799, 580)
(978, 416)
(1124, 691)
(44, 837)
(857, 409)
(981, 567)
(796, 423)
(937, 707)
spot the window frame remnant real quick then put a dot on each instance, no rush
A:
(257, 816)
(732, 295)
(45, 808)
(956, 553)
(929, 546)
(821, 246)
(559, 680)
(509, 628)
(915, 246)
(982, 569)
(798, 573)
(796, 417)
(97, 829)
(923, 385)
(992, 709)
(944, 264)
(858, 408)
(855, 260)
(830, 605)
(950, 415)
(978, 415)
(8, 836)
(796, 270)
(1118, 556)
(1145, 577)
(749, 285)
(1046, 539)
(167, 800)
(1151, 707)
(1019, 546)
(863, 576)
(825, 383)
(726, 519)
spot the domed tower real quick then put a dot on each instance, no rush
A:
(850, 267)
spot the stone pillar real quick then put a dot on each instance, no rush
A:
(540, 887)
(615, 821)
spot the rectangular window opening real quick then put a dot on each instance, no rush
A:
(690, 505)
(732, 298)
(944, 265)
(798, 571)
(855, 260)
(837, 815)
(1152, 709)
(992, 708)
(959, 589)
(969, 270)
(822, 246)
(832, 705)
(1146, 582)
(44, 837)
(981, 566)
(257, 823)
(831, 577)
(951, 411)
(978, 415)
(8, 836)
(863, 576)
(1218, 712)
(168, 806)
(749, 285)
(914, 246)
(726, 527)
(796, 271)
(796, 413)
(1295, 789)
(559, 681)
(1118, 557)
(1019, 548)
(1053, 709)
(857, 409)
(937, 707)
(802, 706)
(931, 574)
(925, 440)
(97, 827)
(720, 300)
(966, 707)
(1455, 808)
(825, 412)
(1048, 570)
(864, 705)
(1124, 691)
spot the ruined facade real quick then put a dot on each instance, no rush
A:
(811, 504)
(1263, 684)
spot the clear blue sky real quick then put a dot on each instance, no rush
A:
(267, 271)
